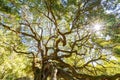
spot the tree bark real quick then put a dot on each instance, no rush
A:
(54, 74)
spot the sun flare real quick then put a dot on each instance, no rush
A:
(97, 26)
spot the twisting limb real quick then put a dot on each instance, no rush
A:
(18, 32)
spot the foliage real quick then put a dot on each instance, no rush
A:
(12, 65)
(61, 39)
(117, 49)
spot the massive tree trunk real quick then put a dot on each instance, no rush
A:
(37, 74)
(47, 70)
(54, 74)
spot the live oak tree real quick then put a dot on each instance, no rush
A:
(61, 38)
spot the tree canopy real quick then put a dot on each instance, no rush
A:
(60, 39)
